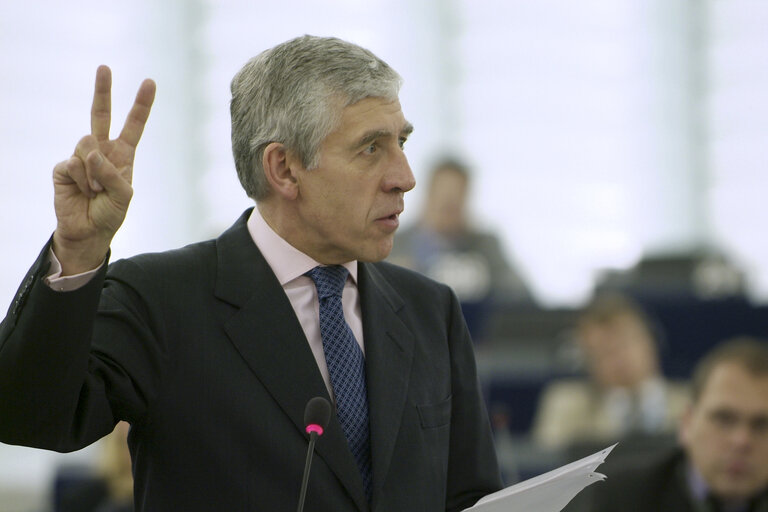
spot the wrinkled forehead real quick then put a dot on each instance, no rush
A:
(372, 117)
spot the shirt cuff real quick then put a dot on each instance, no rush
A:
(56, 282)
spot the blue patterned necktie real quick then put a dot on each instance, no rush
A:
(346, 366)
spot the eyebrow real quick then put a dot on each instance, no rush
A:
(369, 137)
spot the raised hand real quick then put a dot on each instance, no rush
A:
(92, 189)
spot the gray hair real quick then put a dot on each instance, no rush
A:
(294, 94)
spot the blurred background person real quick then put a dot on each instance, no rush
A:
(445, 245)
(721, 464)
(116, 470)
(107, 487)
(624, 392)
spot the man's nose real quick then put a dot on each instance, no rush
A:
(399, 176)
(742, 435)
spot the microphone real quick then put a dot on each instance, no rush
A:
(316, 415)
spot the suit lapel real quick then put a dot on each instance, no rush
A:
(389, 352)
(269, 337)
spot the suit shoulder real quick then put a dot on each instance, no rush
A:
(194, 258)
(402, 285)
(405, 278)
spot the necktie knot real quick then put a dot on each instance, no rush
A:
(329, 280)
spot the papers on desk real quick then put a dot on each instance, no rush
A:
(549, 492)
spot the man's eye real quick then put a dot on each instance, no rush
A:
(370, 149)
(724, 419)
(401, 142)
(760, 425)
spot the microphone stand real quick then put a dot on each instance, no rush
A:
(307, 464)
(316, 415)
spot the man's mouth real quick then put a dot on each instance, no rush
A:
(391, 221)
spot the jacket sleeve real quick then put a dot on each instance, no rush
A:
(59, 390)
(472, 469)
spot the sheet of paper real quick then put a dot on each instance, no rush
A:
(549, 492)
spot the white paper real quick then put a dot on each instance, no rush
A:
(549, 492)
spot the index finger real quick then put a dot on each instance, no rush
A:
(101, 109)
(137, 117)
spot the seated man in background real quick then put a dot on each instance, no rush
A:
(444, 245)
(625, 392)
(722, 464)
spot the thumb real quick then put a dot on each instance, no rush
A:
(104, 176)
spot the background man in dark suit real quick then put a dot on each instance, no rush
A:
(447, 245)
(212, 351)
(723, 461)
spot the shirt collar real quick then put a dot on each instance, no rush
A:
(287, 262)
(696, 484)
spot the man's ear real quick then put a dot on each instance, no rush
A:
(280, 169)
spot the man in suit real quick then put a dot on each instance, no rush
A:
(722, 464)
(445, 245)
(211, 351)
(624, 393)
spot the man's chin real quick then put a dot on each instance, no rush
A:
(739, 490)
(376, 254)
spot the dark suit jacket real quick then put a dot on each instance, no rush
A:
(655, 486)
(201, 351)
